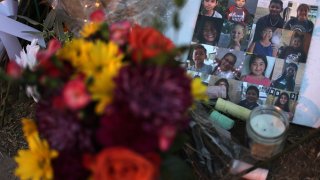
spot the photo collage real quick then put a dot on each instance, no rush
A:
(256, 49)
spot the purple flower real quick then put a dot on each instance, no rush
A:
(120, 128)
(158, 94)
(62, 128)
(69, 166)
(146, 99)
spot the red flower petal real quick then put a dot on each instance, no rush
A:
(98, 16)
(13, 69)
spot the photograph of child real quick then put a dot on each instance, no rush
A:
(264, 46)
(227, 63)
(294, 51)
(287, 79)
(208, 8)
(225, 66)
(252, 96)
(273, 19)
(258, 47)
(233, 36)
(233, 87)
(224, 82)
(237, 34)
(241, 11)
(199, 54)
(299, 19)
(283, 102)
(207, 30)
(259, 70)
(220, 89)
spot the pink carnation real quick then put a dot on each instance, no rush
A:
(75, 94)
(119, 32)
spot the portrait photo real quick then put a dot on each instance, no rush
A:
(207, 30)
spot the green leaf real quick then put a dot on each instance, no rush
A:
(34, 33)
(58, 29)
(179, 3)
(29, 20)
(49, 21)
(173, 168)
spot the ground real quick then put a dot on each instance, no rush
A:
(302, 162)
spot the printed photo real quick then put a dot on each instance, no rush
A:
(231, 87)
(207, 30)
(228, 63)
(234, 36)
(256, 53)
(300, 17)
(252, 95)
(294, 46)
(209, 8)
(284, 102)
(257, 69)
(241, 11)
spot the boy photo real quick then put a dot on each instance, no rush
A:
(294, 46)
(268, 14)
(208, 8)
(241, 11)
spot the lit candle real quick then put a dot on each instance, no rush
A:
(266, 130)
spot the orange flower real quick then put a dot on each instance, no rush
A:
(119, 164)
(146, 42)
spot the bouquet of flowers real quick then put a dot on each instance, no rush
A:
(112, 103)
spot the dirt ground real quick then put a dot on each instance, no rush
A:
(301, 163)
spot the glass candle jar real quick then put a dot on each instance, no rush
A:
(266, 130)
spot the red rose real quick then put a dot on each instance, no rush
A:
(98, 16)
(119, 164)
(146, 42)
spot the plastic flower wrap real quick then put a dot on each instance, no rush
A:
(142, 12)
(113, 102)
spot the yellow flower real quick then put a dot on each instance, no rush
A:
(34, 163)
(103, 56)
(199, 90)
(89, 29)
(99, 62)
(102, 86)
(29, 127)
(76, 52)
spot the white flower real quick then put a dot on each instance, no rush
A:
(31, 91)
(28, 58)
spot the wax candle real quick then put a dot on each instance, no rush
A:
(232, 109)
(222, 120)
(267, 125)
(266, 130)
